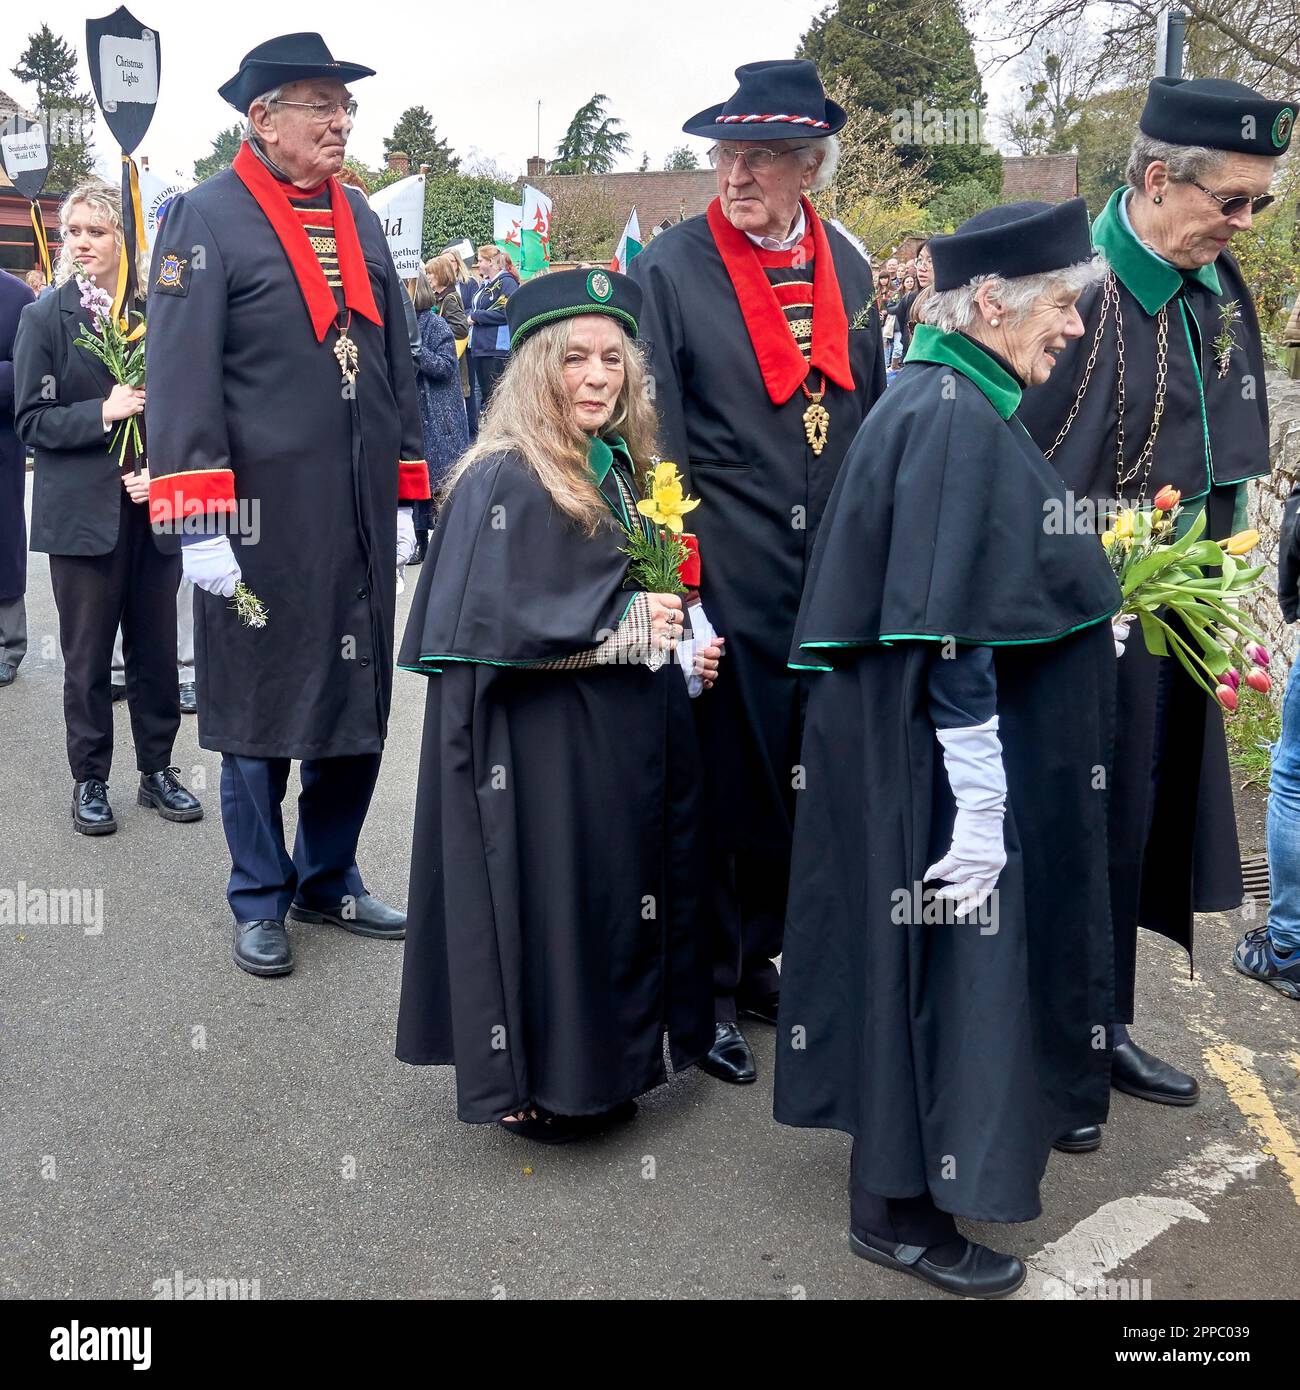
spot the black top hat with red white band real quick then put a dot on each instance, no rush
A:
(780, 99)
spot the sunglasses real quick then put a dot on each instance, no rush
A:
(1238, 202)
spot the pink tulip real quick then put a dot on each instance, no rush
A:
(1258, 654)
(1227, 697)
(1259, 680)
(1232, 677)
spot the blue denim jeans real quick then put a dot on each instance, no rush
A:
(1284, 824)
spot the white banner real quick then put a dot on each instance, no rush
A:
(24, 152)
(400, 207)
(128, 70)
(155, 197)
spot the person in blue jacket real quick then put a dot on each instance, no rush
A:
(489, 338)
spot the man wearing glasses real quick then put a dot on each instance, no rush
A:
(765, 355)
(284, 433)
(1166, 388)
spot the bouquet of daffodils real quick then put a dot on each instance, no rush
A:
(657, 558)
(1200, 583)
(119, 345)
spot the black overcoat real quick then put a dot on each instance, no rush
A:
(237, 381)
(955, 1052)
(552, 935)
(14, 298)
(1172, 804)
(762, 492)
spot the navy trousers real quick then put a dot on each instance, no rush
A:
(264, 879)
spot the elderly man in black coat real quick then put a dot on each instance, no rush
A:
(14, 298)
(765, 350)
(283, 426)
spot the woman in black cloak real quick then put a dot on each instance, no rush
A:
(552, 951)
(959, 735)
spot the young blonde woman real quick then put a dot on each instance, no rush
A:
(552, 950)
(92, 517)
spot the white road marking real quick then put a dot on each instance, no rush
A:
(1078, 1265)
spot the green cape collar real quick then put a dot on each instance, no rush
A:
(600, 456)
(1153, 282)
(929, 344)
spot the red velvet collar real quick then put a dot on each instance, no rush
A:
(274, 198)
(779, 359)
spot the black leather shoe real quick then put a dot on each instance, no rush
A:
(7, 672)
(729, 1059)
(363, 915)
(1079, 1141)
(1139, 1073)
(189, 702)
(91, 813)
(163, 792)
(764, 1010)
(262, 948)
(980, 1273)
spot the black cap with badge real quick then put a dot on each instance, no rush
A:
(1217, 114)
(564, 294)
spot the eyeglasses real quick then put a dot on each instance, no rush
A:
(724, 156)
(1238, 202)
(323, 111)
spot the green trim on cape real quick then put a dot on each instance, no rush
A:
(999, 387)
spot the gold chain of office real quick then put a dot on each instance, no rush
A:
(1124, 473)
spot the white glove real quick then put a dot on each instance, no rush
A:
(211, 565)
(1119, 626)
(702, 634)
(972, 759)
(405, 536)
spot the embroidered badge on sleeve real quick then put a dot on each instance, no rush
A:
(173, 274)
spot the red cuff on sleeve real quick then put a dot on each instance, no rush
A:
(689, 569)
(175, 496)
(412, 480)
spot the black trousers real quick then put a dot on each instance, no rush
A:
(897, 1220)
(487, 372)
(747, 902)
(134, 585)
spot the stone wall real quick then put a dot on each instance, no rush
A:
(1266, 496)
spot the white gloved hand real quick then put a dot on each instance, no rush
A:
(1119, 626)
(977, 855)
(405, 536)
(702, 634)
(211, 565)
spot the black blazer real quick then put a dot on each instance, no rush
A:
(59, 390)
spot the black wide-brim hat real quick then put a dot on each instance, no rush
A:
(1012, 240)
(780, 99)
(564, 294)
(279, 61)
(1217, 114)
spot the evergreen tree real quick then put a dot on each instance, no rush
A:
(592, 141)
(50, 65)
(904, 57)
(416, 136)
(224, 149)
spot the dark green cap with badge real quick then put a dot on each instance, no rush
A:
(564, 294)
(1217, 114)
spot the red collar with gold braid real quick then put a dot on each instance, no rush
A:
(276, 201)
(780, 359)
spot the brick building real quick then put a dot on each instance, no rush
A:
(663, 196)
(1050, 178)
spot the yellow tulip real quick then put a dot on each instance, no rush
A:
(1242, 543)
(667, 504)
(1124, 523)
(1108, 539)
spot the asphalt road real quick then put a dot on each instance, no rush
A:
(161, 1111)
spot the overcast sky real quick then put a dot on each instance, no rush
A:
(658, 64)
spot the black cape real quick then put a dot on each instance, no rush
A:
(762, 493)
(954, 1053)
(551, 937)
(1171, 803)
(237, 380)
